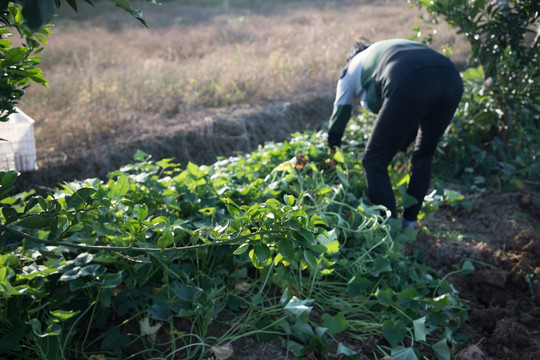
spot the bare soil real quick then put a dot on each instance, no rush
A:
(501, 236)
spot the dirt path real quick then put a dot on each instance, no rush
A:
(501, 236)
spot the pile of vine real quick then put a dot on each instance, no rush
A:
(154, 261)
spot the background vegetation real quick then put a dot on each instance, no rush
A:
(245, 71)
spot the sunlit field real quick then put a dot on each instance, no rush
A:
(201, 81)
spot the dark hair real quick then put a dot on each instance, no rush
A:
(360, 45)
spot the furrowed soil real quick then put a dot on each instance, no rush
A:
(500, 234)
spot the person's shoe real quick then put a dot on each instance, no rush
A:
(407, 224)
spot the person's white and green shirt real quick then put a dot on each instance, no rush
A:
(366, 76)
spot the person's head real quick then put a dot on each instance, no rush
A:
(360, 45)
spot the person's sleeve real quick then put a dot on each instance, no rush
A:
(338, 122)
(347, 90)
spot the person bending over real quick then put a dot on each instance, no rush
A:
(414, 91)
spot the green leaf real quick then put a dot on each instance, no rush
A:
(166, 239)
(357, 285)
(73, 4)
(51, 330)
(80, 197)
(394, 332)
(298, 308)
(343, 176)
(344, 350)
(184, 292)
(380, 265)
(338, 157)
(8, 178)
(232, 208)
(124, 4)
(289, 199)
(37, 221)
(303, 331)
(441, 350)
(261, 252)
(286, 249)
(13, 56)
(37, 13)
(408, 200)
(402, 353)
(159, 311)
(114, 340)
(12, 337)
(83, 259)
(141, 156)
(19, 19)
(420, 329)
(141, 211)
(110, 281)
(311, 259)
(195, 170)
(257, 299)
(329, 240)
(10, 214)
(241, 249)
(9, 260)
(334, 324)
(121, 186)
(467, 268)
(63, 315)
(439, 302)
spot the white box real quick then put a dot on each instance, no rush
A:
(19, 151)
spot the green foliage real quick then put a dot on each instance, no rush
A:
(470, 149)
(19, 64)
(253, 238)
(494, 130)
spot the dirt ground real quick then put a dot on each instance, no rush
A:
(501, 236)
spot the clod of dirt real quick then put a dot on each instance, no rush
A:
(369, 344)
(486, 318)
(493, 277)
(509, 331)
(490, 287)
(527, 241)
(472, 352)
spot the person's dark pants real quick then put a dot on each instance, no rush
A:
(422, 106)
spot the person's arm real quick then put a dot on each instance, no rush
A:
(338, 122)
(348, 92)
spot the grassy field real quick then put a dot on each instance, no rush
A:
(202, 81)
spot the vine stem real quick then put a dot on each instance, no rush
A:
(113, 248)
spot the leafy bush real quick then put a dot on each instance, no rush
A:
(18, 64)
(493, 132)
(194, 259)
(472, 151)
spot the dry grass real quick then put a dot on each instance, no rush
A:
(201, 82)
